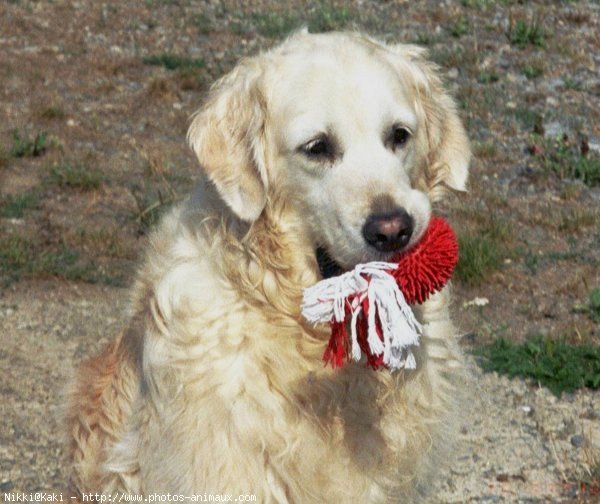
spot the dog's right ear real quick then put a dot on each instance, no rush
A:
(227, 137)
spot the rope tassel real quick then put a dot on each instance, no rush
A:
(392, 326)
(372, 302)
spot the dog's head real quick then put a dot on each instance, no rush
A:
(359, 136)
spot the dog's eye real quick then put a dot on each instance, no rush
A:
(319, 147)
(399, 136)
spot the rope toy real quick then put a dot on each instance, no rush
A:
(372, 301)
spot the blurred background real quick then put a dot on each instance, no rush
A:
(95, 101)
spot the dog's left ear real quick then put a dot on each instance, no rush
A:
(227, 137)
(445, 139)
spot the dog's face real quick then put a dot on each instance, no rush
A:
(346, 142)
(359, 136)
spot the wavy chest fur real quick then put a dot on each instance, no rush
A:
(235, 397)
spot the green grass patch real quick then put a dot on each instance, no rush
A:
(479, 256)
(276, 24)
(190, 73)
(525, 33)
(532, 70)
(557, 365)
(327, 17)
(21, 257)
(76, 176)
(464, 57)
(572, 84)
(103, 241)
(487, 77)
(530, 120)
(459, 27)
(174, 62)
(4, 157)
(563, 158)
(52, 112)
(573, 221)
(63, 262)
(482, 4)
(15, 255)
(323, 17)
(481, 251)
(531, 260)
(15, 206)
(594, 304)
(25, 147)
(586, 169)
(423, 38)
(203, 23)
(485, 150)
(571, 255)
(151, 205)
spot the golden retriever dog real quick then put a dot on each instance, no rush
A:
(331, 145)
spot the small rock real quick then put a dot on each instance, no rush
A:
(577, 441)
(554, 129)
(504, 63)
(6, 486)
(452, 73)
(491, 498)
(592, 414)
(525, 171)
(478, 301)
(516, 78)
(555, 83)
(571, 491)
(594, 144)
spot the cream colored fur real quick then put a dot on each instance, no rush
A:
(217, 384)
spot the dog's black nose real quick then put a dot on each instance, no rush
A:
(388, 232)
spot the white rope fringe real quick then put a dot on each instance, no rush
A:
(325, 302)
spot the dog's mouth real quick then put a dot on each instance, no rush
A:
(328, 267)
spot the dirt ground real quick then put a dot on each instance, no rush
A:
(107, 89)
